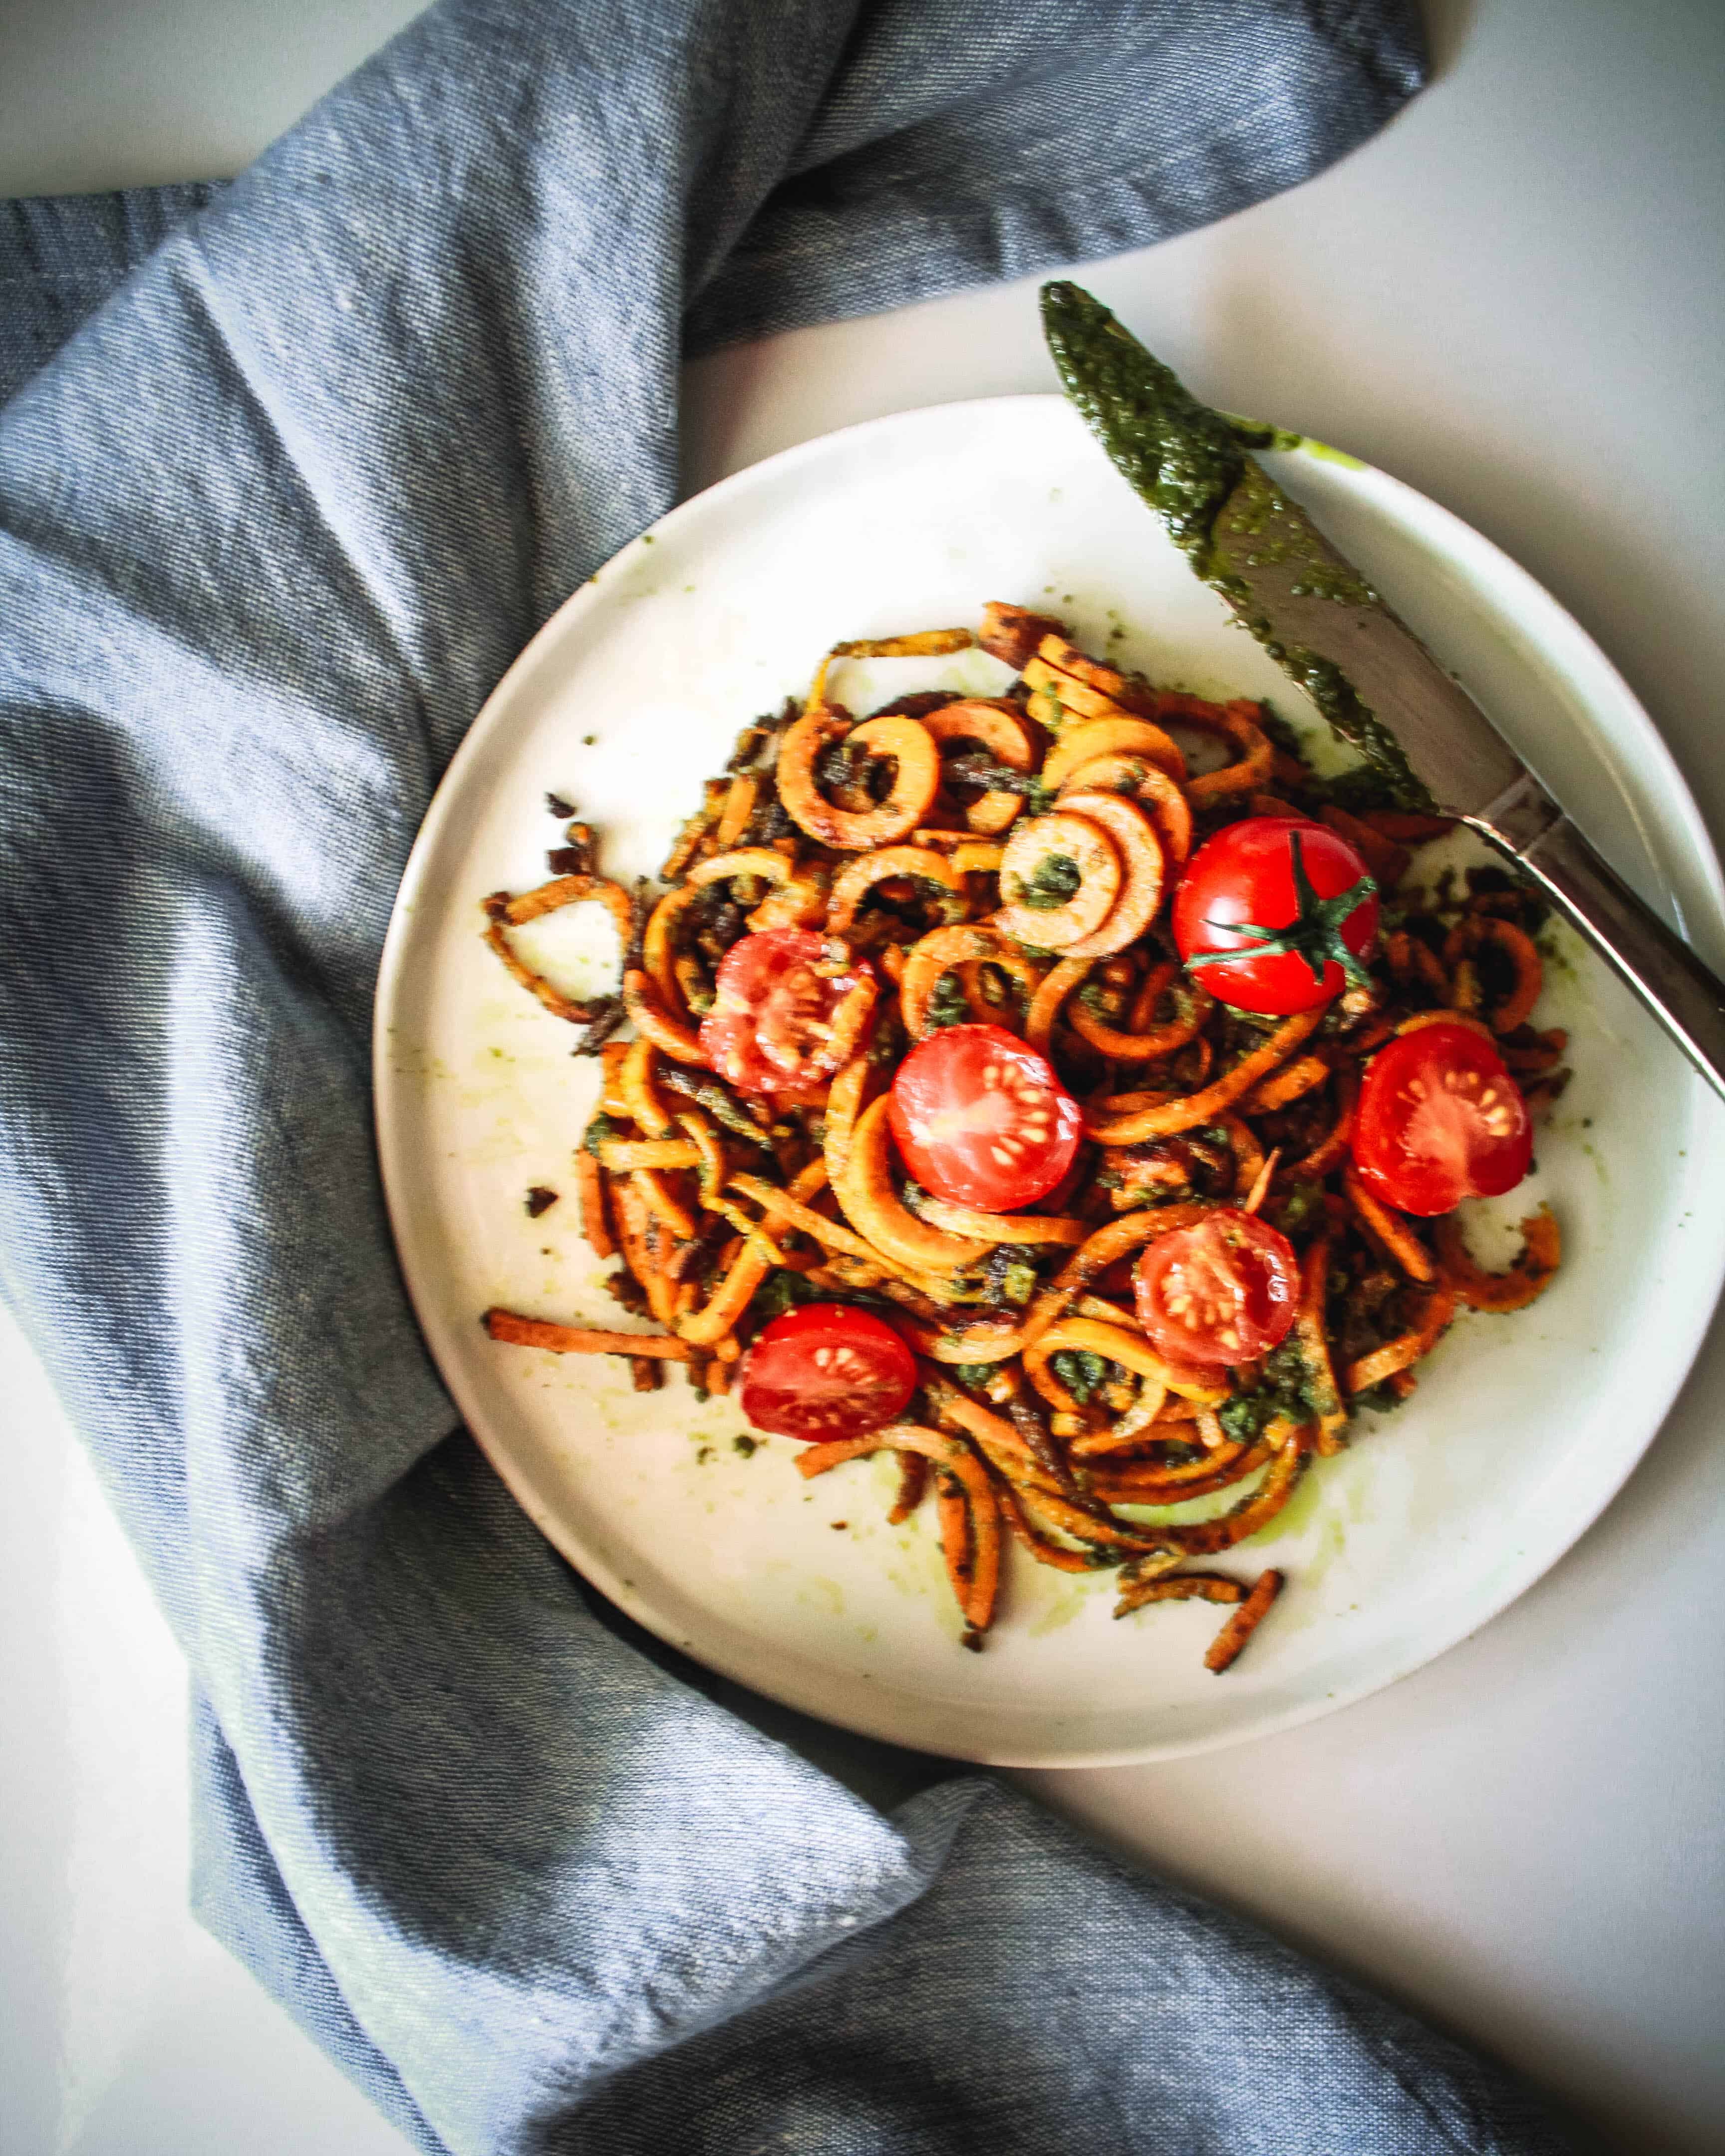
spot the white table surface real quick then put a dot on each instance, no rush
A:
(1514, 299)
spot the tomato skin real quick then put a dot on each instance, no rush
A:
(1466, 1134)
(767, 1001)
(1246, 874)
(981, 1120)
(1222, 1291)
(865, 1380)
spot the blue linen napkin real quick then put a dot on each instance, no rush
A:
(272, 523)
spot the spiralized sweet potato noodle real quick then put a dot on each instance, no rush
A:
(1049, 1419)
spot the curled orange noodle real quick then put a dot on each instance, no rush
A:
(857, 878)
(679, 1041)
(519, 1332)
(1197, 1003)
(977, 1582)
(1521, 950)
(873, 1208)
(1388, 1229)
(845, 1100)
(503, 913)
(1156, 794)
(1238, 722)
(943, 949)
(1092, 738)
(1061, 979)
(915, 784)
(753, 1261)
(1001, 730)
(1524, 1282)
(595, 1216)
(1411, 1346)
(1331, 1149)
(1196, 1108)
(640, 1094)
(1081, 846)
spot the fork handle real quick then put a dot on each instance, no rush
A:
(1687, 996)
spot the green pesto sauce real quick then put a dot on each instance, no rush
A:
(1186, 461)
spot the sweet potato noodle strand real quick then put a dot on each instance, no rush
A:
(976, 1586)
(1331, 1149)
(1196, 1004)
(595, 1216)
(857, 878)
(943, 949)
(504, 913)
(1085, 1335)
(748, 1269)
(1411, 1346)
(1092, 738)
(1080, 846)
(1238, 725)
(916, 782)
(1205, 1537)
(1131, 1484)
(1311, 1330)
(1001, 730)
(640, 1000)
(1143, 864)
(779, 1205)
(1246, 1620)
(1388, 1229)
(1522, 954)
(1055, 1554)
(638, 1232)
(1196, 1108)
(1022, 1228)
(872, 1206)
(1156, 794)
(637, 1084)
(1183, 1587)
(1526, 1278)
(520, 1332)
(918, 643)
(845, 1100)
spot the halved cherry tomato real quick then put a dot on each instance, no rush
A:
(826, 1370)
(1223, 1291)
(1293, 900)
(981, 1120)
(1441, 1119)
(771, 1026)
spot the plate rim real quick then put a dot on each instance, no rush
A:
(1460, 537)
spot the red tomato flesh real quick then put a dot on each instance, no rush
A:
(770, 1027)
(826, 1370)
(981, 1120)
(1245, 877)
(1441, 1119)
(1224, 1291)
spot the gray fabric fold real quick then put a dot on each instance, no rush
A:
(289, 472)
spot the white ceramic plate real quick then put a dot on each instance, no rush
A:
(1523, 1426)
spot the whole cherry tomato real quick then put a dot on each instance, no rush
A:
(1441, 1119)
(1276, 914)
(1224, 1291)
(981, 1120)
(826, 1370)
(771, 1027)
